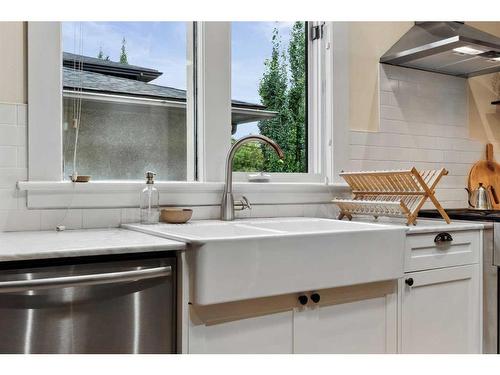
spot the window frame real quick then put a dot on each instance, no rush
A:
(316, 124)
(45, 98)
(211, 112)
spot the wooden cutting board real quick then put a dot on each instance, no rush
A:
(488, 173)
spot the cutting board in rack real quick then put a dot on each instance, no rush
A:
(487, 172)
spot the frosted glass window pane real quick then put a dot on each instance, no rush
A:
(126, 83)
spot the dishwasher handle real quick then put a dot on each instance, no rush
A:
(84, 280)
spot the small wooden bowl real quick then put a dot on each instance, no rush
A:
(81, 178)
(176, 215)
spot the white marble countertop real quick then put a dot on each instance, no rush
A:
(427, 225)
(71, 243)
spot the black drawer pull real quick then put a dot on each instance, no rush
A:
(409, 281)
(443, 237)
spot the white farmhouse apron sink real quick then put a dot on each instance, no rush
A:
(252, 258)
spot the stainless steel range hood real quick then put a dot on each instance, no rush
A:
(452, 48)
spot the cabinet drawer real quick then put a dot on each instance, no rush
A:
(423, 252)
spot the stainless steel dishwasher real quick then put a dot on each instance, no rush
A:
(102, 304)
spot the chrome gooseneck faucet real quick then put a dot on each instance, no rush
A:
(228, 204)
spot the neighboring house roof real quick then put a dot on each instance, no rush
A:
(102, 83)
(111, 68)
(107, 77)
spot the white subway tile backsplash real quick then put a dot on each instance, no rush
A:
(264, 211)
(423, 123)
(101, 218)
(458, 169)
(408, 88)
(8, 199)
(130, 215)
(70, 219)
(327, 211)
(10, 176)
(451, 181)
(360, 138)
(388, 98)
(462, 156)
(19, 220)
(22, 156)
(205, 212)
(394, 126)
(22, 136)
(22, 114)
(391, 113)
(388, 85)
(8, 113)
(467, 145)
(8, 156)
(8, 135)
(22, 199)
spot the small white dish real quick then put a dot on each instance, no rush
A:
(259, 177)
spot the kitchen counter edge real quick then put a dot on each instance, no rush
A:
(38, 245)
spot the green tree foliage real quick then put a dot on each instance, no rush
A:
(123, 53)
(273, 93)
(249, 158)
(283, 89)
(297, 95)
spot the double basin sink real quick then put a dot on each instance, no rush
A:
(253, 258)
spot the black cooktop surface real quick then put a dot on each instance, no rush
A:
(463, 214)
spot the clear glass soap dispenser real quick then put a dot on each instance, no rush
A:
(150, 201)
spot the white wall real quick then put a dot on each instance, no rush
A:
(13, 62)
(423, 123)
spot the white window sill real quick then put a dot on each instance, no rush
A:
(104, 194)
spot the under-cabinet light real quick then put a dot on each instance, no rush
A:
(468, 50)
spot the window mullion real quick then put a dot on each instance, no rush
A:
(45, 101)
(214, 98)
(316, 107)
(338, 98)
(191, 55)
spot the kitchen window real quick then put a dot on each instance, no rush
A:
(269, 76)
(277, 71)
(125, 98)
(172, 101)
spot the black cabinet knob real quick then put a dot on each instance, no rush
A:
(303, 300)
(409, 281)
(315, 297)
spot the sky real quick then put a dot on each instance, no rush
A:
(162, 46)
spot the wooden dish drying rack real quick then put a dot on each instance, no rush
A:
(390, 193)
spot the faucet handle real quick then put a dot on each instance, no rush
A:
(242, 204)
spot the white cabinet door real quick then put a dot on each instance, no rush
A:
(271, 333)
(364, 322)
(441, 310)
